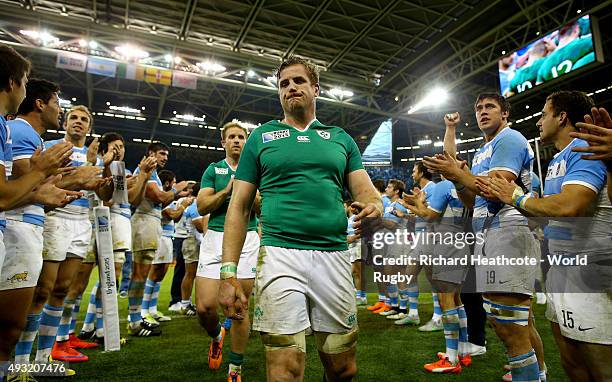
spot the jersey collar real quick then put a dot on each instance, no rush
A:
(565, 148)
(305, 129)
(229, 165)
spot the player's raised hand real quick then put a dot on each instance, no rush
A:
(110, 156)
(53, 158)
(451, 120)
(597, 131)
(186, 202)
(92, 151)
(451, 168)
(52, 196)
(147, 165)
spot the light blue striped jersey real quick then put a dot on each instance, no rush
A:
(389, 212)
(25, 141)
(420, 223)
(168, 224)
(6, 158)
(445, 201)
(78, 158)
(147, 206)
(567, 168)
(191, 214)
(122, 209)
(508, 151)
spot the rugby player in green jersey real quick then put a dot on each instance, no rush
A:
(301, 168)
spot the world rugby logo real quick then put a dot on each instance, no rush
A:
(324, 134)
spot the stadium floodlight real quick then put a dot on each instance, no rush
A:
(177, 60)
(340, 93)
(93, 45)
(82, 43)
(438, 144)
(44, 37)
(125, 109)
(424, 142)
(189, 117)
(436, 96)
(251, 73)
(249, 126)
(168, 57)
(209, 66)
(129, 52)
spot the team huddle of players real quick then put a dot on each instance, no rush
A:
(300, 268)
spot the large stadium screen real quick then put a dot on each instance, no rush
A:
(379, 151)
(571, 47)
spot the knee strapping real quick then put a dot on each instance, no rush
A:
(507, 314)
(336, 343)
(273, 341)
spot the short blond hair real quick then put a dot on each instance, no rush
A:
(231, 125)
(82, 108)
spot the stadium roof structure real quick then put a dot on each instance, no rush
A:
(377, 57)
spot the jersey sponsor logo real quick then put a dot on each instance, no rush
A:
(481, 156)
(324, 134)
(584, 329)
(556, 170)
(303, 138)
(221, 171)
(274, 135)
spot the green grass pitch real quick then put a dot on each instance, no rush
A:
(385, 352)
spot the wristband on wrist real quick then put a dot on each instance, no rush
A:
(516, 194)
(459, 187)
(228, 270)
(174, 192)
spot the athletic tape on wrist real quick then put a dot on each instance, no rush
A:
(228, 270)
(516, 195)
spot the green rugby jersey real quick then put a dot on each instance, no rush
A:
(217, 176)
(525, 78)
(563, 60)
(301, 176)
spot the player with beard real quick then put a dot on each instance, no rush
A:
(301, 168)
(146, 233)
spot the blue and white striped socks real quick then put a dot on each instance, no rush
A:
(154, 297)
(64, 326)
(413, 299)
(49, 322)
(135, 301)
(403, 300)
(525, 367)
(437, 311)
(75, 313)
(99, 319)
(463, 333)
(90, 316)
(26, 341)
(146, 297)
(450, 320)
